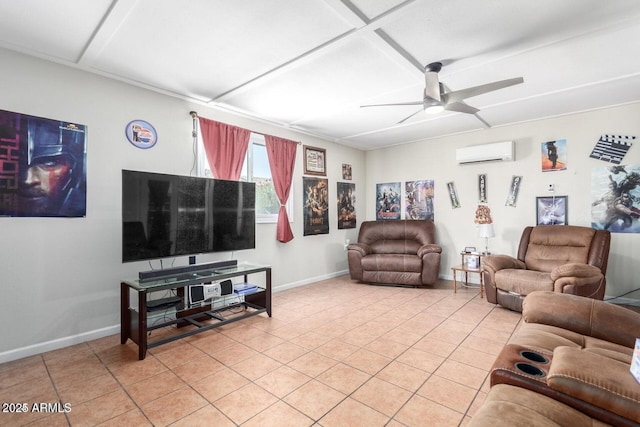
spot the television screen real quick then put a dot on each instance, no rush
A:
(170, 215)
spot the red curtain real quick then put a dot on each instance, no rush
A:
(225, 146)
(282, 159)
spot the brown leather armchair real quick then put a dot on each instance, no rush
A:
(402, 252)
(560, 258)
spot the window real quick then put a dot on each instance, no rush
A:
(255, 169)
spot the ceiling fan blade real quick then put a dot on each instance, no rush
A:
(461, 107)
(394, 105)
(408, 117)
(459, 95)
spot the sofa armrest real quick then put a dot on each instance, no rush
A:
(576, 269)
(595, 379)
(495, 263)
(429, 249)
(361, 248)
(586, 316)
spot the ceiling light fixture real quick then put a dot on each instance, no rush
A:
(432, 106)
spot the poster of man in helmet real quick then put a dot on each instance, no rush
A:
(42, 167)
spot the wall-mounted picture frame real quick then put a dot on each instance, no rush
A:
(315, 161)
(346, 172)
(551, 210)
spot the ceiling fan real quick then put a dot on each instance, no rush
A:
(435, 99)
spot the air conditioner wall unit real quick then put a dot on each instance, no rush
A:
(496, 151)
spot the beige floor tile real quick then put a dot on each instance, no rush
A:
(420, 411)
(310, 340)
(80, 391)
(387, 347)
(343, 378)
(219, 384)
(403, 375)
(462, 373)
(473, 357)
(134, 417)
(421, 359)
(154, 387)
(337, 349)
(256, 366)
(367, 361)
(350, 412)
(282, 381)
(435, 346)
(245, 403)
(312, 364)
(286, 352)
(206, 416)
(279, 415)
(382, 396)
(314, 399)
(100, 409)
(448, 393)
(173, 406)
(263, 341)
(197, 368)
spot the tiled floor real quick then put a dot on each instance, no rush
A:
(335, 353)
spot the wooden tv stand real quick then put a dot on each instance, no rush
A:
(137, 322)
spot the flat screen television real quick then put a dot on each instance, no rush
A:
(170, 215)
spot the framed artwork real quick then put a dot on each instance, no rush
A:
(551, 210)
(553, 155)
(42, 167)
(418, 200)
(346, 172)
(316, 205)
(346, 205)
(388, 201)
(315, 161)
(141, 134)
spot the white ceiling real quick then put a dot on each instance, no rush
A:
(309, 65)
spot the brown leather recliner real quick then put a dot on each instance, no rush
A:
(560, 258)
(402, 252)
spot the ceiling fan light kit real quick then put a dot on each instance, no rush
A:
(435, 100)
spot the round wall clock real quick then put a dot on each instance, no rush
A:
(141, 134)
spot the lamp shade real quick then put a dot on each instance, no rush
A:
(486, 230)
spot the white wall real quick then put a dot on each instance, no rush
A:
(435, 159)
(60, 277)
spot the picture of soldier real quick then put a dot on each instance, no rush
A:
(616, 206)
(553, 155)
(42, 167)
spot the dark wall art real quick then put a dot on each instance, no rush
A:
(316, 205)
(346, 205)
(42, 167)
(388, 201)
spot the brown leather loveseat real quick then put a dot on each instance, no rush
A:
(561, 258)
(401, 252)
(571, 352)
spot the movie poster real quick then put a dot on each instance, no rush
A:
(346, 205)
(388, 201)
(316, 205)
(419, 199)
(42, 167)
(615, 194)
(553, 155)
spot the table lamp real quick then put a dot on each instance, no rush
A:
(486, 231)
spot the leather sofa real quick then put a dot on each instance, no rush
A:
(400, 252)
(561, 258)
(572, 352)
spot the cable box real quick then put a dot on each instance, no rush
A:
(163, 303)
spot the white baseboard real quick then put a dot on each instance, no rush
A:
(38, 348)
(31, 350)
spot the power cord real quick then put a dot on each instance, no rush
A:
(620, 296)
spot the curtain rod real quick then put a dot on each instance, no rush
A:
(194, 115)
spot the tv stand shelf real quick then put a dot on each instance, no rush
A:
(188, 320)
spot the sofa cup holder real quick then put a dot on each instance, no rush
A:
(534, 357)
(529, 369)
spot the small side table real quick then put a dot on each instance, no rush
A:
(464, 267)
